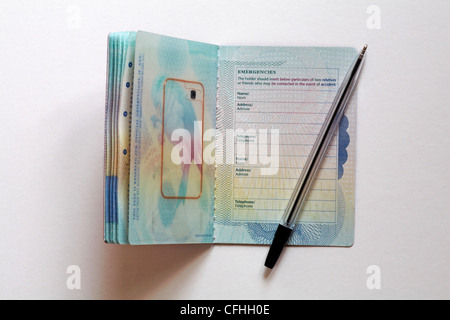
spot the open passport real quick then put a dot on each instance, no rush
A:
(205, 143)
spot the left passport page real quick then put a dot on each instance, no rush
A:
(172, 171)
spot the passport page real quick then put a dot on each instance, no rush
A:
(272, 102)
(174, 108)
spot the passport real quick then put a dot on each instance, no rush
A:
(205, 143)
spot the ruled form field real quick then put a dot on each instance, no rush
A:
(295, 102)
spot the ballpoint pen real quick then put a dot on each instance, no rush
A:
(309, 171)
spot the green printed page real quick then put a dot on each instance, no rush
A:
(218, 138)
(275, 100)
(174, 106)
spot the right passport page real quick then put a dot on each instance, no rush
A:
(271, 104)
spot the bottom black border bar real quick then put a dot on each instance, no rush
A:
(226, 309)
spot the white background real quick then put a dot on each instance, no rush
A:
(52, 88)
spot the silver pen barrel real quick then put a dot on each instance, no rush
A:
(311, 166)
(323, 140)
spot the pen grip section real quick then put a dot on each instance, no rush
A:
(281, 237)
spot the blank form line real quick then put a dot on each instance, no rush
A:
(293, 90)
(267, 101)
(286, 144)
(286, 199)
(269, 122)
(273, 188)
(283, 112)
(298, 134)
(282, 210)
(257, 167)
(287, 155)
(279, 178)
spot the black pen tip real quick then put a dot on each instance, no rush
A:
(279, 241)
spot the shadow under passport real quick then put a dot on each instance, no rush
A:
(136, 272)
